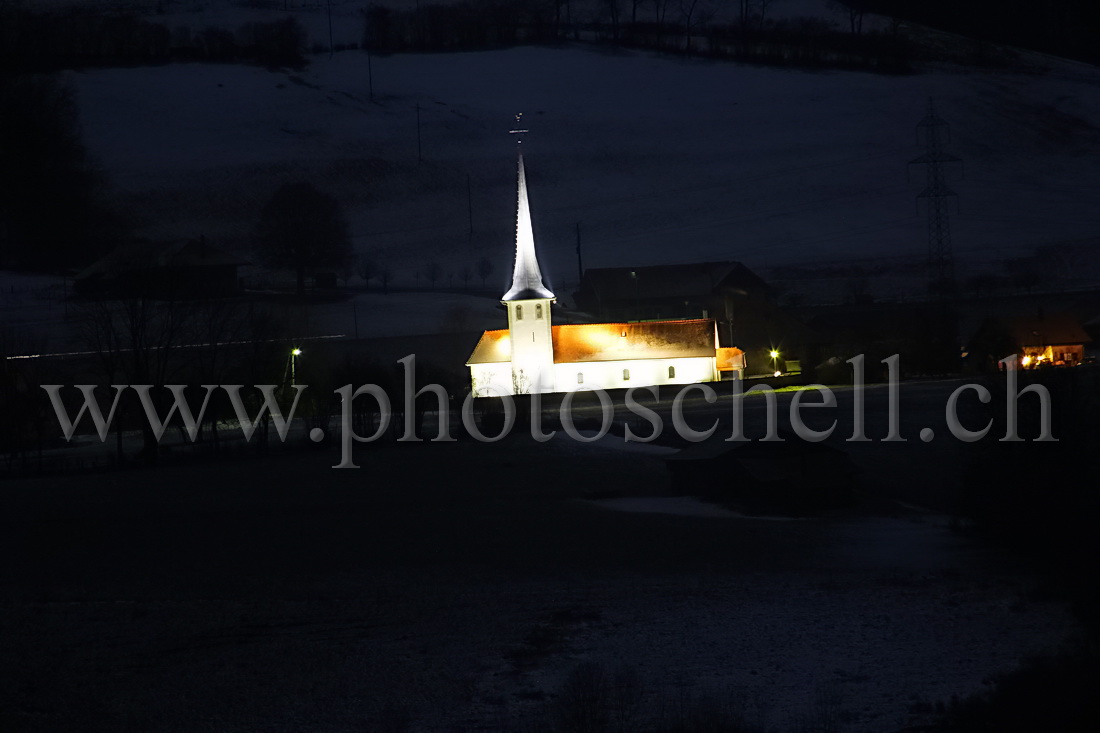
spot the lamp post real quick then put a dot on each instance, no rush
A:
(294, 354)
(775, 357)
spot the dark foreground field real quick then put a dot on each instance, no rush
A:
(453, 587)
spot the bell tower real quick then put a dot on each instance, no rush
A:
(528, 302)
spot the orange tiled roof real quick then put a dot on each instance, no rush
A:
(729, 358)
(584, 342)
(645, 340)
(493, 347)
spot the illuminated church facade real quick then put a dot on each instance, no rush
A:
(533, 355)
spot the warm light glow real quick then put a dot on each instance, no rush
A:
(296, 352)
(600, 339)
(778, 374)
(774, 354)
(1026, 360)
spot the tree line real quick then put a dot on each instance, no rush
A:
(682, 26)
(1068, 28)
(38, 40)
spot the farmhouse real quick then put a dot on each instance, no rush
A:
(534, 356)
(186, 268)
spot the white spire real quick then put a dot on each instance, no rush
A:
(526, 277)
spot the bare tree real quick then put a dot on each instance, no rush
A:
(855, 10)
(366, 266)
(660, 15)
(138, 340)
(857, 290)
(385, 274)
(466, 273)
(694, 13)
(433, 271)
(613, 12)
(484, 269)
(22, 428)
(764, 5)
(217, 331)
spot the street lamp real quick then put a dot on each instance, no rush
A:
(294, 354)
(775, 356)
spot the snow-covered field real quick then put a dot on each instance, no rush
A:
(282, 595)
(39, 319)
(658, 159)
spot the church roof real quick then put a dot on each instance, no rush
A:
(584, 342)
(625, 341)
(526, 276)
(494, 347)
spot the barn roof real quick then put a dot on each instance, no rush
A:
(1049, 329)
(141, 256)
(668, 281)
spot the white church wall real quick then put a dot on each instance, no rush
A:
(496, 379)
(491, 380)
(634, 373)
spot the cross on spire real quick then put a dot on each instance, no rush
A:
(517, 131)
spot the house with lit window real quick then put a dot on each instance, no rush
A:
(532, 355)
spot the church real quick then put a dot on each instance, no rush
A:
(533, 355)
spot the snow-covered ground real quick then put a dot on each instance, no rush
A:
(658, 159)
(280, 594)
(38, 319)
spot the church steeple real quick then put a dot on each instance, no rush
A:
(526, 277)
(528, 303)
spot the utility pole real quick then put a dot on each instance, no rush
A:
(370, 75)
(470, 204)
(367, 43)
(941, 266)
(331, 48)
(580, 264)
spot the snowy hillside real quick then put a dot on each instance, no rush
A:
(658, 159)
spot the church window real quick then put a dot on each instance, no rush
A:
(672, 372)
(519, 312)
(626, 375)
(538, 310)
(580, 377)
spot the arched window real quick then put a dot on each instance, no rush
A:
(538, 310)
(626, 375)
(672, 372)
(580, 377)
(519, 312)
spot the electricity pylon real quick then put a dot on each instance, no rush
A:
(932, 131)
